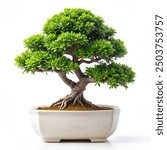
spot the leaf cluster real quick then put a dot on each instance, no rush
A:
(113, 74)
(67, 40)
(30, 61)
(97, 48)
(78, 21)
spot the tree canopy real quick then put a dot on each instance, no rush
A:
(71, 38)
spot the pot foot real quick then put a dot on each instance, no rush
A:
(48, 140)
(98, 140)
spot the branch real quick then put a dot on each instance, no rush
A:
(70, 49)
(79, 73)
(91, 80)
(90, 61)
(67, 81)
(45, 70)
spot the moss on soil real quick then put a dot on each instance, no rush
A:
(75, 108)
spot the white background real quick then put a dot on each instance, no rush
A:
(134, 23)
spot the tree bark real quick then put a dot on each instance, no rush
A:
(67, 81)
(76, 96)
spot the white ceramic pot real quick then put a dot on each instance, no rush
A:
(54, 126)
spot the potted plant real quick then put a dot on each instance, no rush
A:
(72, 41)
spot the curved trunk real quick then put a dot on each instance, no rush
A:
(75, 97)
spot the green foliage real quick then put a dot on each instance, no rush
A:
(83, 35)
(76, 20)
(48, 40)
(98, 48)
(35, 42)
(114, 74)
(30, 61)
(119, 48)
(62, 63)
(67, 40)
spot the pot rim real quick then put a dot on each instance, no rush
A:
(114, 108)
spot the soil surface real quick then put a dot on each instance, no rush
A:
(75, 108)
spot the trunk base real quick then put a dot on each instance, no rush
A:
(75, 98)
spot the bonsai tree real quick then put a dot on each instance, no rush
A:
(70, 39)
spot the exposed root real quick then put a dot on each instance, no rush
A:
(72, 99)
(81, 103)
(77, 98)
(62, 103)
